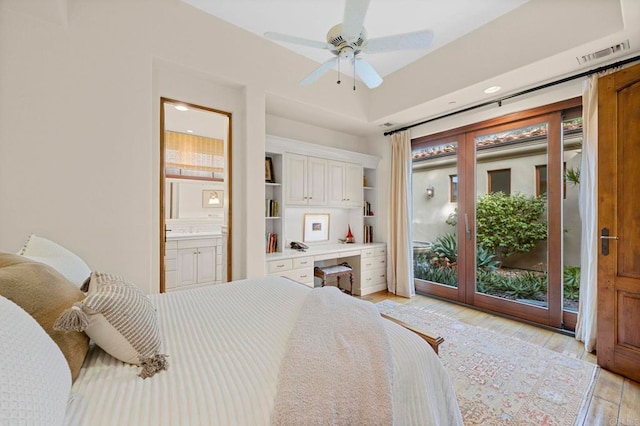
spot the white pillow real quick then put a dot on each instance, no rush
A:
(59, 258)
(120, 319)
(36, 380)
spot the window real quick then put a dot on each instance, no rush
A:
(499, 181)
(453, 188)
(541, 180)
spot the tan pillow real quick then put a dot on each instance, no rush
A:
(44, 294)
(121, 320)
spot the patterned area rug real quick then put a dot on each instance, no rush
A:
(502, 380)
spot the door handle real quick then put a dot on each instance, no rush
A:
(604, 241)
(466, 226)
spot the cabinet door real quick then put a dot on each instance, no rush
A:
(335, 188)
(187, 266)
(295, 179)
(206, 264)
(316, 181)
(353, 185)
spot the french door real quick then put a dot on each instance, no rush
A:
(489, 202)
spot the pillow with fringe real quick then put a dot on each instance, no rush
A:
(120, 319)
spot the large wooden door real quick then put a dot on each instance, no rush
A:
(619, 222)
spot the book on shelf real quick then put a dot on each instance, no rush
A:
(367, 208)
(271, 208)
(271, 242)
(368, 234)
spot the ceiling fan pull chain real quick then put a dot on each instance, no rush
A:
(354, 73)
(338, 82)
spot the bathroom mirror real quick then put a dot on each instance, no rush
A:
(195, 191)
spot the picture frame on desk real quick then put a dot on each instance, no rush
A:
(268, 170)
(316, 227)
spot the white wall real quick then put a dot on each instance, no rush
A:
(290, 129)
(79, 124)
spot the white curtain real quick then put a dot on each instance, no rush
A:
(586, 326)
(400, 271)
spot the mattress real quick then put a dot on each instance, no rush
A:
(225, 345)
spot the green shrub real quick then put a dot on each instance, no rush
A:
(443, 275)
(446, 246)
(571, 278)
(485, 260)
(508, 224)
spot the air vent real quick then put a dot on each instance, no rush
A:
(604, 52)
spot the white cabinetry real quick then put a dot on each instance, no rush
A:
(369, 204)
(193, 262)
(344, 184)
(373, 269)
(299, 269)
(305, 180)
(274, 210)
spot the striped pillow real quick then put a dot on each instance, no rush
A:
(119, 319)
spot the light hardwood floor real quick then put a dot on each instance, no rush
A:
(615, 400)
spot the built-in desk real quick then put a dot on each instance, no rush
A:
(369, 262)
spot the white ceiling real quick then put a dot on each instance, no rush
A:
(516, 44)
(312, 19)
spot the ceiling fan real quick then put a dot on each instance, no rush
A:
(349, 39)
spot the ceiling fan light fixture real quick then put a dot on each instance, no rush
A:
(349, 39)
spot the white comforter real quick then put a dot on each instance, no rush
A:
(225, 345)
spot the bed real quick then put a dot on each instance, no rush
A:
(225, 347)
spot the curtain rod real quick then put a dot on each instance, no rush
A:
(523, 92)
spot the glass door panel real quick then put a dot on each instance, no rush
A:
(435, 201)
(511, 218)
(572, 223)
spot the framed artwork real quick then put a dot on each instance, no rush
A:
(316, 227)
(212, 198)
(268, 170)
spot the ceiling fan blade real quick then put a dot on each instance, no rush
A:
(315, 74)
(354, 13)
(298, 40)
(415, 40)
(367, 74)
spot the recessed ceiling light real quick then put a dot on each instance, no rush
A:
(492, 89)
(189, 131)
(181, 108)
(452, 102)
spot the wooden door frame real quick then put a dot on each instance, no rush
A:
(554, 315)
(228, 172)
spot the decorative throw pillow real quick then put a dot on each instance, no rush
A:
(59, 258)
(121, 320)
(35, 376)
(44, 294)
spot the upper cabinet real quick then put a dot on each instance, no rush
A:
(344, 184)
(305, 180)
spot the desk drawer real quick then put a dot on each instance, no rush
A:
(303, 275)
(279, 265)
(303, 262)
(373, 277)
(373, 262)
(368, 252)
(380, 251)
